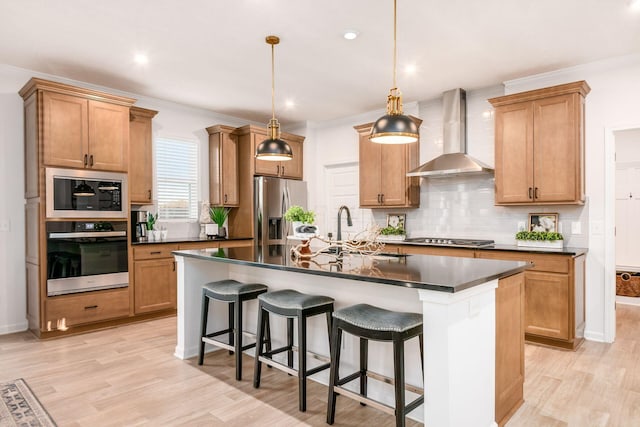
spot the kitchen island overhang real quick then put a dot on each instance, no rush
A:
(455, 295)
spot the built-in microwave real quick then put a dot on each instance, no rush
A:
(74, 193)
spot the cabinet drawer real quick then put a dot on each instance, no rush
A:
(153, 251)
(198, 245)
(86, 308)
(550, 263)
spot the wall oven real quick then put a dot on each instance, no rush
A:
(86, 256)
(75, 193)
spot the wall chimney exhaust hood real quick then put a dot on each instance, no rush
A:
(455, 160)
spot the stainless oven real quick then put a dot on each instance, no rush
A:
(86, 256)
(74, 193)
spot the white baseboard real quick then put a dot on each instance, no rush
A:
(16, 327)
(621, 299)
(594, 336)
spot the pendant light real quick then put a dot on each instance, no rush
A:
(273, 148)
(83, 190)
(394, 127)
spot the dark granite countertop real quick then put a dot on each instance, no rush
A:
(498, 247)
(189, 239)
(438, 273)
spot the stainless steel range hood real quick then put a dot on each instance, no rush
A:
(455, 160)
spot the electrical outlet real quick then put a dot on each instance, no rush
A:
(5, 225)
(521, 226)
(576, 227)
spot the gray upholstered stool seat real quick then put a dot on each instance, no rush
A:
(373, 323)
(292, 305)
(378, 319)
(233, 287)
(294, 300)
(235, 294)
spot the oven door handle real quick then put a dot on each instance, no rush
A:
(88, 234)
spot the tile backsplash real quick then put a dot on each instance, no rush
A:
(464, 207)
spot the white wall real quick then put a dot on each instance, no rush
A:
(173, 120)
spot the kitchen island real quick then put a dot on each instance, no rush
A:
(457, 297)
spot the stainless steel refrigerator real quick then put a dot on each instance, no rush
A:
(273, 196)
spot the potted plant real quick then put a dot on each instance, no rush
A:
(302, 221)
(391, 233)
(540, 239)
(219, 216)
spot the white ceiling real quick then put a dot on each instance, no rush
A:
(212, 54)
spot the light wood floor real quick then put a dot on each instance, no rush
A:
(128, 376)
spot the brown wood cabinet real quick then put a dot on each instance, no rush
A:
(241, 218)
(81, 128)
(69, 127)
(383, 172)
(510, 313)
(286, 169)
(223, 166)
(154, 278)
(154, 272)
(140, 155)
(539, 146)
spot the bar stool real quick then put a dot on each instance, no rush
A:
(234, 293)
(290, 304)
(373, 323)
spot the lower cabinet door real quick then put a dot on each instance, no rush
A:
(547, 304)
(155, 285)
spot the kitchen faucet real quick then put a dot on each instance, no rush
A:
(349, 222)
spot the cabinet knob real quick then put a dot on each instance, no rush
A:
(282, 170)
(85, 159)
(530, 192)
(149, 195)
(278, 170)
(225, 198)
(91, 160)
(535, 193)
(90, 307)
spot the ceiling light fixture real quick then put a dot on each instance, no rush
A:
(273, 148)
(350, 34)
(634, 5)
(141, 59)
(394, 127)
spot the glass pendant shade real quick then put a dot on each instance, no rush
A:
(273, 148)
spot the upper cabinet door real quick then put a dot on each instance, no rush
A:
(140, 155)
(557, 151)
(293, 168)
(514, 153)
(64, 130)
(393, 179)
(230, 195)
(370, 173)
(108, 136)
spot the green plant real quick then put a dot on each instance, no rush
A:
(297, 214)
(538, 235)
(219, 214)
(151, 220)
(393, 231)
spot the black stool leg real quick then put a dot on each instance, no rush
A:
(398, 373)
(302, 362)
(238, 339)
(290, 341)
(364, 365)
(267, 335)
(336, 340)
(203, 326)
(259, 344)
(421, 340)
(231, 324)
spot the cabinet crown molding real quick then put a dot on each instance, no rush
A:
(36, 84)
(262, 130)
(136, 112)
(580, 87)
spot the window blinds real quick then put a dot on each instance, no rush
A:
(177, 178)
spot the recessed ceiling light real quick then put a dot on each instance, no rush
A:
(350, 34)
(141, 59)
(290, 103)
(634, 5)
(410, 69)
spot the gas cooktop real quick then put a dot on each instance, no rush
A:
(453, 242)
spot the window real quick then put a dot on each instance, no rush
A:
(177, 178)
